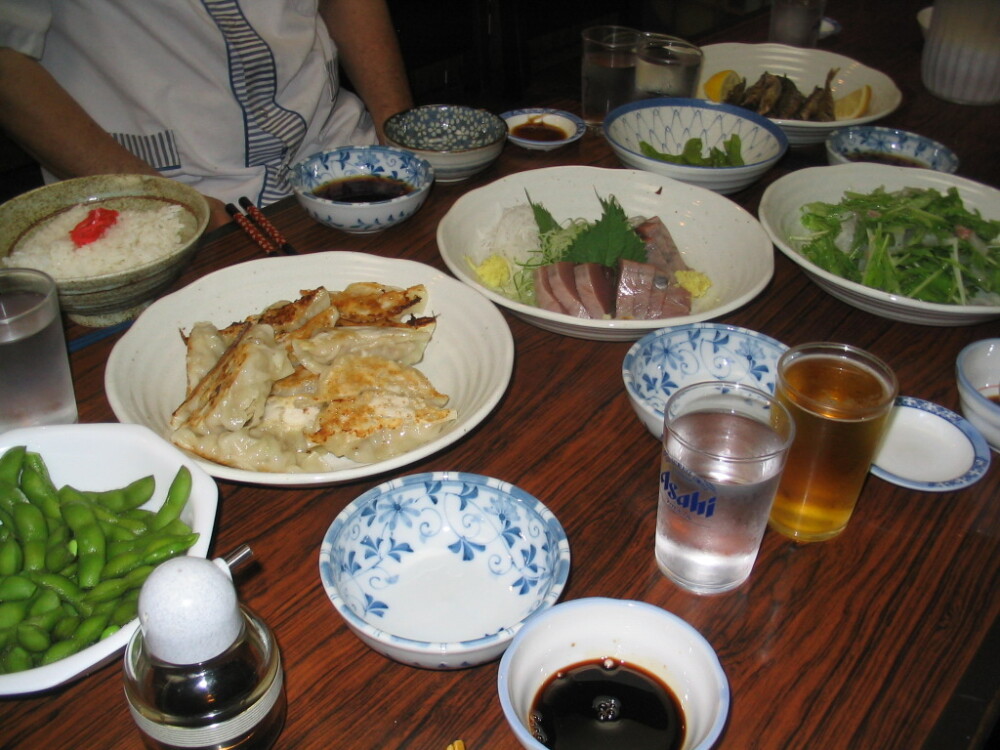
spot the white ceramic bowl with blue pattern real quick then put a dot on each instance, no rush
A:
(351, 161)
(440, 570)
(459, 141)
(889, 146)
(663, 361)
(667, 124)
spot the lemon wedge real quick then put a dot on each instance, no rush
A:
(719, 85)
(854, 104)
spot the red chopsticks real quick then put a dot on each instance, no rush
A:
(259, 229)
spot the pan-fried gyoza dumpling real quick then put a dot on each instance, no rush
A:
(285, 317)
(400, 342)
(376, 408)
(367, 302)
(233, 393)
(250, 449)
(205, 346)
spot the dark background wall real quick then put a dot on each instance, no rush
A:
(493, 53)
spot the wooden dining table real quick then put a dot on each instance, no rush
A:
(885, 637)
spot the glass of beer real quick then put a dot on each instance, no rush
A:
(840, 398)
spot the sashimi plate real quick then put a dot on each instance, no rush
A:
(470, 356)
(714, 235)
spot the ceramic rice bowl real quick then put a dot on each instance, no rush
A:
(106, 299)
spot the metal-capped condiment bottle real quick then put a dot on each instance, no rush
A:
(202, 671)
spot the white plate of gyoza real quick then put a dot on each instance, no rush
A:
(313, 369)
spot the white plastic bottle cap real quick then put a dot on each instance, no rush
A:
(188, 611)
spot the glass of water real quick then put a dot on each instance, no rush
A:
(724, 448)
(35, 377)
(666, 66)
(608, 70)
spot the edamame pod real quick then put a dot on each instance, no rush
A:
(16, 659)
(177, 497)
(11, 557)
(10, 463)
(32, 638)
(39, 492)
(16, 588)
(60, 650)
(29, 522)
(11, 613)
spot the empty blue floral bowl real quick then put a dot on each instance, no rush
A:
(440, 570)
(364, 214)
(668, 359)
(457, 140)
(889, 146)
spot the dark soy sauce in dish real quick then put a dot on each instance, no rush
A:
(363, 188)
(534, 130)
(606, 703)
(895, 160)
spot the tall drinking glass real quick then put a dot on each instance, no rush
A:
(840, 398)
(724, 446)
(608, 70)
(35, 383)
(666, 66)
(796, 22)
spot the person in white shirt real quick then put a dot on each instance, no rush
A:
(223, 95)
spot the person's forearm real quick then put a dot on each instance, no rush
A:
(369, 52)
(42, 118)
(39, 115)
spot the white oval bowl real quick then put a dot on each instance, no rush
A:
(715, 236)
(780, 211)
(807, 68)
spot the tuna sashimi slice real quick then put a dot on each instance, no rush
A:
(596, 287)
(563, 282)
(544, 297)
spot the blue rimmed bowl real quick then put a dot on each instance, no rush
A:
(440, 570)
(670, 358)
(458, 141)
(667, 124)
(554, 120)
(891, 146)
(325, 167)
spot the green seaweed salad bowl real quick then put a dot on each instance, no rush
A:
(912, 245)
(63, 618)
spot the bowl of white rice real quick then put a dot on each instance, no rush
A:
(113, 243)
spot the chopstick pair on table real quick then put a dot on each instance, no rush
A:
(259, 229)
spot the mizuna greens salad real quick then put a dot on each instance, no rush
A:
(915, 242)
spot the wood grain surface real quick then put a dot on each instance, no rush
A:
(859, 642)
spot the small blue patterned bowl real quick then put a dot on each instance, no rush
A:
(667, 124)
(888, 146)
(671, 358)
(458, 141)
(351, 161)
(440, 570)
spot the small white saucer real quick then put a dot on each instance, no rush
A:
(930, 448)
